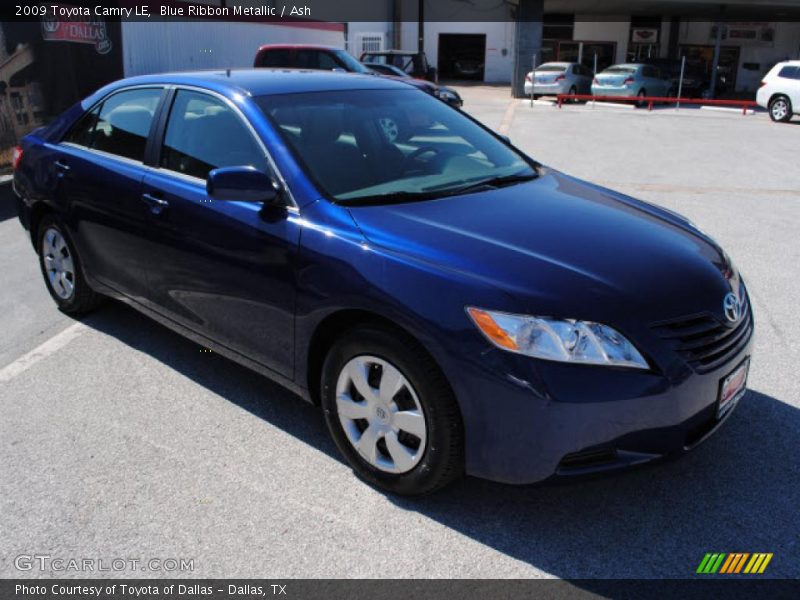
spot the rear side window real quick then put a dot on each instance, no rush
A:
(81, 132)
(316, 59)
(123, 123)
(276, 58)
(204, 133)
(789, 72)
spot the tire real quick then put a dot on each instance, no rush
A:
(780, 109)
(572, 91)
(418, 455)
(62, 270)
(641, 103)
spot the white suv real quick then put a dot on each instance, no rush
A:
(780, 91)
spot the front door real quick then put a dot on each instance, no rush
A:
(222, 269)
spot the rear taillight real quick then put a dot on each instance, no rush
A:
(528, 77)
(561, 78)
(595, 81)
(16, 157)
(628, 81)
(762, 84)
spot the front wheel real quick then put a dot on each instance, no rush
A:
(61, 268)
(780, 109)
(573, 91)
(391, 412)
(640, 98)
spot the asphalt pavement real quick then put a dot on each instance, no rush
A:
(121, 439)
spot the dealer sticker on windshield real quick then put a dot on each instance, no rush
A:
(733, 388)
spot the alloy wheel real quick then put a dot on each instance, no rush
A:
(58, 263)
(779, 109)
(381, 414)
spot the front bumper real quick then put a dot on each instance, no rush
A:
(526, 421)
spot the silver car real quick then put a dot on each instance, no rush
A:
(632, 79)
(554, 78)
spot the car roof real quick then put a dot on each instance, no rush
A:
(297, 47)
(387, 52)
(266, 81)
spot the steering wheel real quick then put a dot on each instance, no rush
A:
(419, 152)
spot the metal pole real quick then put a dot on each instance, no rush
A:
(680, 82)
(715, 63)
(421, 27)
(595, 73)
(533, 77)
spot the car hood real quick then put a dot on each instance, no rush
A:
(562, 247)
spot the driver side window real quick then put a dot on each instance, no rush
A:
(204, 133)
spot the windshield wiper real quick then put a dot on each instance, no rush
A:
(491, 182)
(438, 191)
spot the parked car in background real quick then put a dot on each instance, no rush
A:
(447, 94)
(780, 91)
(413, 63)
(466, 68)
(554, 78)
(329, 58)
(307, 56)
(696, 81)
(632, 79)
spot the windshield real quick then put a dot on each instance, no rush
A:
(373, 145)
(351, 64)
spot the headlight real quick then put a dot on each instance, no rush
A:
(563, 340)
(444, 94)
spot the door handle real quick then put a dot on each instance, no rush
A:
(154, 203)
(61, 167)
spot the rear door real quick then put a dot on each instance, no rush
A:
(792, 85)
(99, 166)
(222, 269)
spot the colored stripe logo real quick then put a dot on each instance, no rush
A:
(734, 563)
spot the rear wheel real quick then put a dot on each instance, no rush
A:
(572, 91)
(61, 268)
(640, 102)
(780, 109)
(391, 412)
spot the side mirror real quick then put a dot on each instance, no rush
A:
(505, 138)
(245, 184)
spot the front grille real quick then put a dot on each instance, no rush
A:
(706, 342)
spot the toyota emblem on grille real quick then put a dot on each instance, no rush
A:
(732, 307)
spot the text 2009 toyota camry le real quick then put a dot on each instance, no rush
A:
(453, 305)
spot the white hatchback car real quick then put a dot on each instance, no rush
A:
(780, 91)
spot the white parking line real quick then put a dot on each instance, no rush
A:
(508, 116)
(54, 344)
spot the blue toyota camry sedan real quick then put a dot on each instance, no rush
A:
(451, 304)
